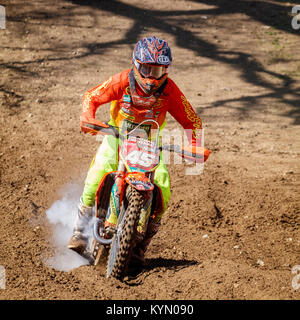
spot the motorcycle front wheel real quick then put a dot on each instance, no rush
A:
(124, 238)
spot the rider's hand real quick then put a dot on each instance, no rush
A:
(195, 153)
(87, 117)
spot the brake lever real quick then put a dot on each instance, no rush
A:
(177, 149)
(106, 130)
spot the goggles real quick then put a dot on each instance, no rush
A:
(152, 71)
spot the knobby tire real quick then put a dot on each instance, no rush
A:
(119, 258)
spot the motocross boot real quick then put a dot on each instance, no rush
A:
(79, 240)
(139, 251)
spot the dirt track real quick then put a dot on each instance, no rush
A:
(230, 233)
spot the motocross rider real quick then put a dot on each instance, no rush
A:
(142, 92)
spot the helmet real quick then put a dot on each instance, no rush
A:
(151, 59)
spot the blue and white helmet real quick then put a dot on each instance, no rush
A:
(151, 58)
(152, 50)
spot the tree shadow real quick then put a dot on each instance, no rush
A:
(269, 13)
(170, 21)
(250, 69)
(11, 99)
(254, 102)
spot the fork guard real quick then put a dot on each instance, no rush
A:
(103, 194)
(139, 181)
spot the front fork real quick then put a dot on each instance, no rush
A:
(116, 198)
(101, 233)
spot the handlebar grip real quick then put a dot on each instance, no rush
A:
(199, 155)
(105, 130)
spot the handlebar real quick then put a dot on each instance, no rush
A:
(196, 154)
(105, 129)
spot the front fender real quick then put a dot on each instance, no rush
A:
(139, 181)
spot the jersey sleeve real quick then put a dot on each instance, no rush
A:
(109, 90)
(182, 111)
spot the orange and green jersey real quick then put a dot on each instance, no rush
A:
(117, 91)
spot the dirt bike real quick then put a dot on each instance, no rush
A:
(129, 192)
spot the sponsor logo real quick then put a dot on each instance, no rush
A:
(163, 59)
(105, 84)
(90, 93)
(128, 126)
(146, 145)
(191, 114)
(145, 213)
(146, 102)
(127, 90)
(114, 204)
(127, 98)
(140, 183)
(125, 115)
(149, 114)
(126, 110)
(156, 115)
(158, 104)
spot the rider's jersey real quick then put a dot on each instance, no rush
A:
(124, 113)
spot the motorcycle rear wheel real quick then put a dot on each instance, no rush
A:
(124, 239)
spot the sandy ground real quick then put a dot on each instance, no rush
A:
(231, 232)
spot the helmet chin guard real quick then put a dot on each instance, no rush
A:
(149, 85)
(151, 59)
(142, 101)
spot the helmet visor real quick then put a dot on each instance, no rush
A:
(152, 71)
